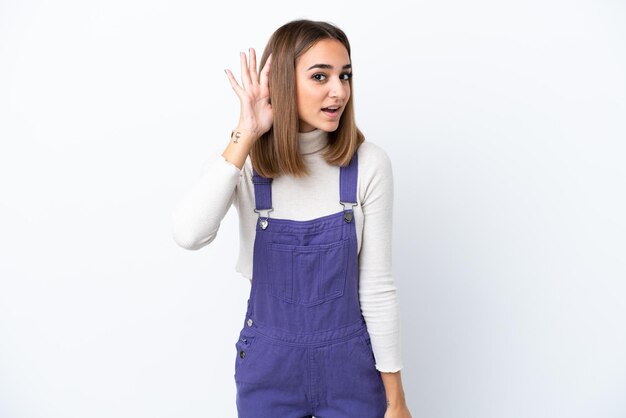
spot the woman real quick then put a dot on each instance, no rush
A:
(315, 207)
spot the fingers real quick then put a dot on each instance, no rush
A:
(268, 63)
(249, 76)
(233, 82)
(245, 74)
(265, 76)
(253, 73)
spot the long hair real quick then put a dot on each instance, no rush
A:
(276, 151)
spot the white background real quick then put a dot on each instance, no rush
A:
(505, 123)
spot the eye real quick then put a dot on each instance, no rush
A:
(321, 77)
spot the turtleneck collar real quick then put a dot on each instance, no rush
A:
(312, 142)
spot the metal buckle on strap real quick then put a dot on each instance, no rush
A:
(263, 220)
(348, 212)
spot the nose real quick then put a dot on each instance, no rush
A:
(338, 89)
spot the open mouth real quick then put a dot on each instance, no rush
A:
(333, 110)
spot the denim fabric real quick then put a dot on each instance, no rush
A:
(304, 349)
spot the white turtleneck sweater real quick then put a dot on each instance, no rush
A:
(197, 217)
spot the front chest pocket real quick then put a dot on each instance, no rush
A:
(308, 274)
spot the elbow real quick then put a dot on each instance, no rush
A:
(190, 241)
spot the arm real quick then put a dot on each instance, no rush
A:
(394, 390)
(377, 290)
(197, 216)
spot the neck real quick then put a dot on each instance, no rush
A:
(312, 142)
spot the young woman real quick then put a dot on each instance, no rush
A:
(321, 333)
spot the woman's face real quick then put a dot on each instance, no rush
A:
(322, 75)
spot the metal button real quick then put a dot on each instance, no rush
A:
(249, 322)
(242, 354)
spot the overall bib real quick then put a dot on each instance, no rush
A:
(304, 349)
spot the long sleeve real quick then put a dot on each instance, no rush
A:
(377, 290)
(197, 216)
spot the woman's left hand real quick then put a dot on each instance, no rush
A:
(399, 411)
(396, 402)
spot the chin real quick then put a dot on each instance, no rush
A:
(325, 126)
(329, 127)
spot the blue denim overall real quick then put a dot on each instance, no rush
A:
(304, 349)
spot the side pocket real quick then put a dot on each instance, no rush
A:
(366, 345)
(244, 347)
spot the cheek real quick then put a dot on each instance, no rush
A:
(310, 97)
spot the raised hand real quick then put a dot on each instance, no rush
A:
(255, 109)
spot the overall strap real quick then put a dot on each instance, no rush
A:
(348, 177)
(262, 191)
(262, 197)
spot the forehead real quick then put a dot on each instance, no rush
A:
(325, 51)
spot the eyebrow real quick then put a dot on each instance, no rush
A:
(328, 66)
